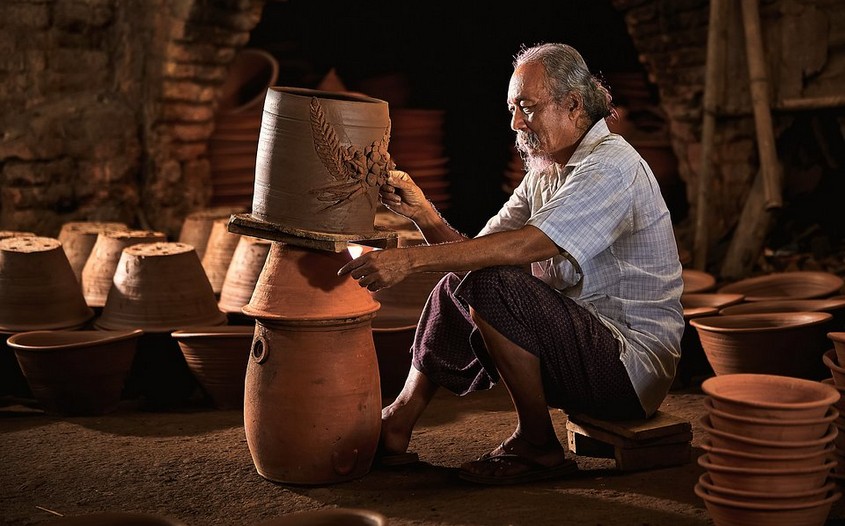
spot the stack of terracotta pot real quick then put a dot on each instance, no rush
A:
(834, 358)
(769, 450)
(417, 147)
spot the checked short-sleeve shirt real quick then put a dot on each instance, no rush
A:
(619, 258)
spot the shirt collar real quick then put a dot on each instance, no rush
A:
(591, 139)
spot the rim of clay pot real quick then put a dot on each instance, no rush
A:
(704, 461)
(328, 517)
(764, 321)
(829, 449)
(67, 339)
(781, 392)
(699, 312)
(774, 506)
(831, 382)
(830, 360)
(837, 336)
(781, 445)
(831, 415)
(697, 280)
(811, 283)
(252, 68)
(710, 299)
(223, 331)
(705, 480)
(769, 306)
(308, 93)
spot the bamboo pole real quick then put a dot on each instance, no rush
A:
(716, 46)
(813, 103)
(759, 85)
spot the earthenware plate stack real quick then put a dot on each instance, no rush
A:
(768, 456)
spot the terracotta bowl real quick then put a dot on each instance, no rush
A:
(771, 428)
(98, 272)
(840, 404)
(770, 396)
(803, 284)
(251, 72)
(778, 343)
(115, 518)
(697, 281)
(773, 448)
(197, 226)
(838, 339)
(78, 238)
(836, 370)
(302, 284)
(329, 517)
(773, 479)
(744, 459)
(238, 285)
(693, 362)
(710, 299)
(739, 512)
(217, 357)
(835, 305)
(218, 253)
(76, 372)
(38, 289)
(766, 497)
(159, 287)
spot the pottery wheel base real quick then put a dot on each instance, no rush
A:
(248, 225)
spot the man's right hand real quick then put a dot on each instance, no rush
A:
(402, 196)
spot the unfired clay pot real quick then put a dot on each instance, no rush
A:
(769, 448)
(246, 265)
(78, 238)
(765, 497)
(746, 459)
(76, 372)
(697, 281)
(803, 284)
(796, 429)
(774, 479)
(838, 339)
(38, 289)
(709, 299)
(14, 233)
(197, 226)
(218, 253)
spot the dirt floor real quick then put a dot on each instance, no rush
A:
(194, 465)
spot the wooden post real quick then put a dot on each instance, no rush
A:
(716, 45)
(750, 235)
(759, 85)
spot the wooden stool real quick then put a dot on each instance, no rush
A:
(660, 441)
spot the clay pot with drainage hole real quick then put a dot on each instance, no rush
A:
(78, 238)
(242, 275)
(770, 396)
(218, 253)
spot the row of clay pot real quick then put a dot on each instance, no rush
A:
(769, 452)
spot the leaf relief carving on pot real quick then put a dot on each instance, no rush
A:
(353, 170)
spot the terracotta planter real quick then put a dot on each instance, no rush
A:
(788, 343)
(840, 404)
(15, 233)
(78, 238)
(799, 429)
(697, 281)
(197, 226)
(98, 272)
(238, 285)
(766, 497)
(38, 289)
(160, 287)
(330, 517)
(114, 518)
(76, 372)
(838, 339)
(836, 370)
(774, 479)
(774, 448)
(770, 396)
(217, 357)
(787, 286)
(299, 284)
(736, 512)
(835, 305)
(218, 253)
(745, 459)
(249, 76)
(322, 157)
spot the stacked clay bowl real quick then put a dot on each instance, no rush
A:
(803, 284)
(833, 359)
(781, 343)
(697, 281)
(835, 305)
(768, 454)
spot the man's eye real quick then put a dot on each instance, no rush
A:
(526, 110)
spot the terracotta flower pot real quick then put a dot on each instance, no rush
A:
(771, 428)
(774, 448)
(840, 404)
(76, 372)
(796, 285)
(738, 512)
(836, 370)
(329, 517)
(218, 356)
(114, 518)
(785, 343)
(218, 253)
(15, 233)
(766, 497)
(160, 287)
(770, 396)
(250, 74)
(838, 339)
(197, 226)
(774, 480)
(78, 238)
(835, 305)
(98, 272)
(745, 459)
(697, 281)
(238, 285)
(709, 299)
(38, 289)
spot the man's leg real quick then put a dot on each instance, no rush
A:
(399, 418)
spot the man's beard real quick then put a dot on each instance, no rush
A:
(528, 146)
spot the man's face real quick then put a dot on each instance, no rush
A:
(545, 130)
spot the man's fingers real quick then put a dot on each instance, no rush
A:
(349, 267)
